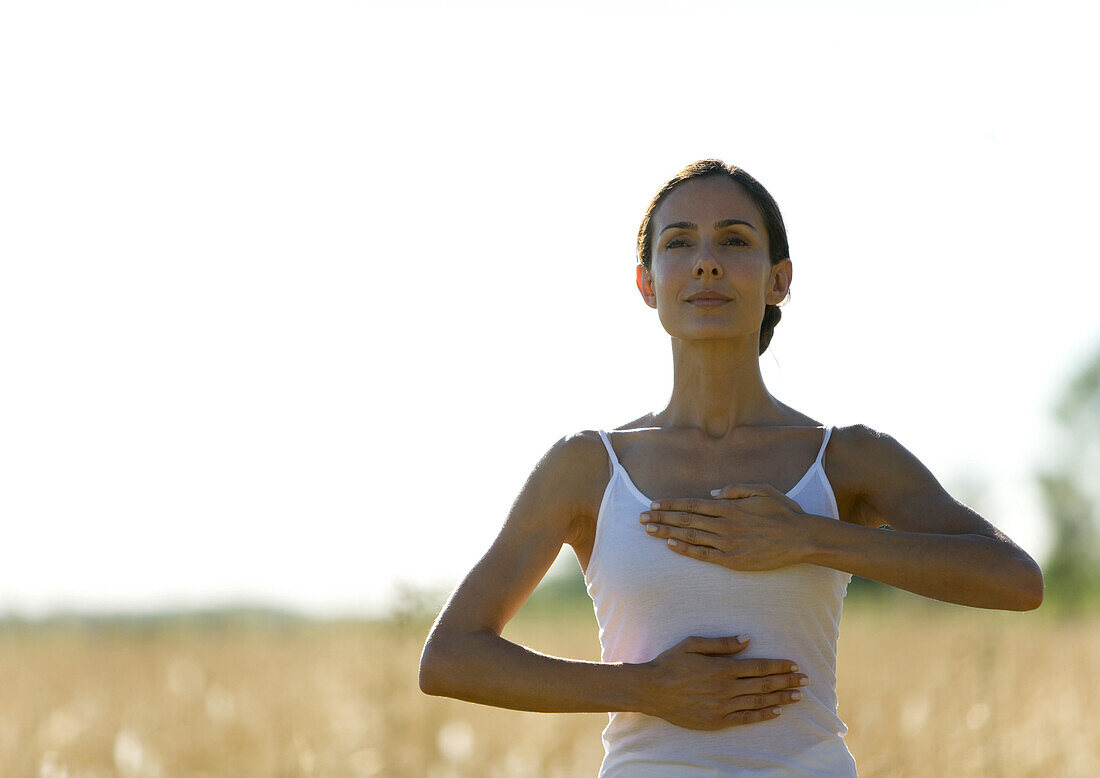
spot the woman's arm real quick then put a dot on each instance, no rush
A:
(465, 657)
(939, 548)
(695, 684)
(936, 547)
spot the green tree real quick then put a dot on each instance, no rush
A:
(1072, 567)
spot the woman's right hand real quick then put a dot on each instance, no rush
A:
(697, 684)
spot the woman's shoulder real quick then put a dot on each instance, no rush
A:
(579, 463)
(858, 460)
(857, 444)
(875, 458)
(576, 470)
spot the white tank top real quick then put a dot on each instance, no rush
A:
(648, 598)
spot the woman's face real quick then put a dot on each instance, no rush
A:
(708, 236)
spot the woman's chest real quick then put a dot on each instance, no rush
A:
(821, 486)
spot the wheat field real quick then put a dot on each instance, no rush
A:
(926, 690)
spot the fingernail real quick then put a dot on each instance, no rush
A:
(742, 638)
(794, 668)
(714, 492)
(776, 711)
(803, 681)
(796, 695)
(650, 527)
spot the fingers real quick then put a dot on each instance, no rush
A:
(760, 704)
(758, 707)
(714, 506)
(739, 717)
(689, 505)
(755, 668)
(761, 701)
(683, 519)
(736, 491)
(702, 553)
(723, 645)
(769, 683)
(687, 534)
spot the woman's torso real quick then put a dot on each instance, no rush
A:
(648, 598)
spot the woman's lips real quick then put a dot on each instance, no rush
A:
(708, 302)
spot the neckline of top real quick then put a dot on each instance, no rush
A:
(647, 500)
(618, 466)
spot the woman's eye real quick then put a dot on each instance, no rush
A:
(732, 240)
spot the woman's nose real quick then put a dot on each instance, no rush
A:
(707, 266)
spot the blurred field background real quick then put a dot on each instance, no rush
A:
(927, 689)
(245, 283)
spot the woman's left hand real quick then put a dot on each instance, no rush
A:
(746, 527)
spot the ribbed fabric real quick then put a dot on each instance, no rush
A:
(648, 598)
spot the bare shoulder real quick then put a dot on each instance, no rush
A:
(580, 460)
(887, 485)
(550, 510)
(857, 458)
(577, 467)
(873, 459)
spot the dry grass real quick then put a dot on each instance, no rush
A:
(926, 691)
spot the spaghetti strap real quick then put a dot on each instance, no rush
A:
(825, 442)
(610, 451)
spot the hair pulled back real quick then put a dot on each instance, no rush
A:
(765, 203)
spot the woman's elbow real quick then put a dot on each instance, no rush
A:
(433, 674)
(1034, 596)
(444, 661)
(1029, 595)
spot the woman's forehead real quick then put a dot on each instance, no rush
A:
(707, 200)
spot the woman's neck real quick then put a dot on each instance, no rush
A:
(717, 386)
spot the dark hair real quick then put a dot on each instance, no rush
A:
(765, 203)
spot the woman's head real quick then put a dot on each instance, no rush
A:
(750, 194)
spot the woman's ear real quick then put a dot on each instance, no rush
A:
(780, 282)
(645, 286)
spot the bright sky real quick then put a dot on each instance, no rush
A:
(293, 296)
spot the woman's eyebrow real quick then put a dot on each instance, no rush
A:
(681, 226)
(717, 225)
(730, 222)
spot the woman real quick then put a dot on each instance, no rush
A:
(677, 579)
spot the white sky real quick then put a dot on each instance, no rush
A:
(294, 296)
